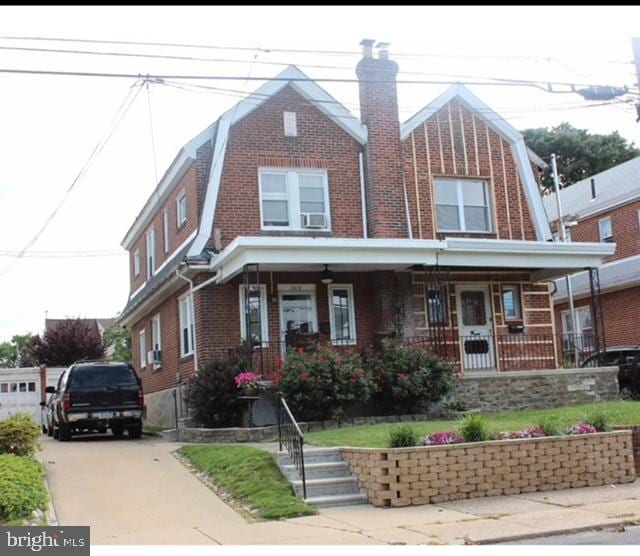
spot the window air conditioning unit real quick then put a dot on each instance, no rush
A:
(313, 220)
(154, 356)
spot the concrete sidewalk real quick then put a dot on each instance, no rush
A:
(137, 492)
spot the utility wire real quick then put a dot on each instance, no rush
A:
(262, 62)
(509, 83)
(129, 99)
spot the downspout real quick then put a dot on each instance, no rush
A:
(406, 207)
(363, 198)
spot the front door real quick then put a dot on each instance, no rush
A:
(475, 328)
(297, 311)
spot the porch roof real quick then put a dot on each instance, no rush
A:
(545, 260)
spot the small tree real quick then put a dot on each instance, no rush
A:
(19, 352)
(119, 339)
(69, 341)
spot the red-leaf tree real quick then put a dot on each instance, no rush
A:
(69, 341)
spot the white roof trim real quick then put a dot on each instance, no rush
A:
(504, 129)
(553, 259)
(308, 89)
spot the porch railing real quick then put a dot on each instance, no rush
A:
(290, 436)
(504, 351)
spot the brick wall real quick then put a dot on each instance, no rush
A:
(454, 142)
(537, 389)
(177, 235)
(635, 439)
(620, 312)
(625, 226)
(431, 474)
(258, 141)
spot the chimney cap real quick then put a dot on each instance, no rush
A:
(383, 50)
(367, 42)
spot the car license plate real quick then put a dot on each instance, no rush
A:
(105, 414)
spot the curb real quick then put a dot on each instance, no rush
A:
(50, 513)
(555, 532)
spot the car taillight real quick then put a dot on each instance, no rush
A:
(66, 401)
(140, 398)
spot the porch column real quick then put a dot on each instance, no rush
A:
(596, 310)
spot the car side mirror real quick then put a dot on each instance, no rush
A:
(50, 389)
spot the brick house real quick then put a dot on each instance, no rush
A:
(288, 219)
(605, 208)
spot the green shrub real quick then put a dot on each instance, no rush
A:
(550, 425)
(600, 420)
(474, 428)
(408, 378)
(21, 486)
(402, 436)
(212, 395)
(323, 383)
(19, 435)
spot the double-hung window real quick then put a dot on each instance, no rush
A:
(136, 262)
(143, 348)
(186, 325)
(437, 307)
(181, 209)
(294, 199)
(151, 253)
(463, 205)
(342, 314)
(156, 339)
(165, 231)
(605, 230)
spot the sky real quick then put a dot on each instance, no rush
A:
(49, 125)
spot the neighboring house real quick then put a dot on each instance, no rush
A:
(606, 208)
(100, 324)
(288, 216)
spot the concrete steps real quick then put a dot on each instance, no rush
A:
(329, 480)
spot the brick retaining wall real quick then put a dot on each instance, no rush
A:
(635, 430)
(429, 474)
(537, 389)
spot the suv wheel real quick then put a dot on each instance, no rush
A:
(49, 429)
(64, 433)
(135, 431)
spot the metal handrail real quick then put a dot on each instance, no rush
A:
(291, 436)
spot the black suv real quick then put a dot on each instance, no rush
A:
(627, 359)
(95, 396)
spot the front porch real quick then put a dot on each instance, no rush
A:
(485, 304)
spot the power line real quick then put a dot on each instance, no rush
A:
(124, 107)
(262, 62)
(505, 82)
(63, 254)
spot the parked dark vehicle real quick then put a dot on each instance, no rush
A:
(96, 396)
(627, 359)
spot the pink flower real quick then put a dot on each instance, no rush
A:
(301, 351)
(581, 428)
(304, 376)
(439, 438)
(248, 379)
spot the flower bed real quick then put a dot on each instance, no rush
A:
(437, 473)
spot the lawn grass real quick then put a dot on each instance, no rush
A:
(375, 436)
(251, 476)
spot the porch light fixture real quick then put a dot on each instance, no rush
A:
(326, 276)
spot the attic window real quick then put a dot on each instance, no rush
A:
(290, 125)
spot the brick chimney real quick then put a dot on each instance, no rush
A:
(383, 154)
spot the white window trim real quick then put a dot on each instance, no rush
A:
(151, 252)
(142, 337)
(156, 324)
(352, 314)
(189, 324)
(577, 310)
(181, 221)
(264, 322)
(515, 288)
(600, 222)
(165, 231)
(293, 197)
(136, 262)
(460, 206)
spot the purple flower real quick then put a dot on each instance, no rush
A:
(439, 438)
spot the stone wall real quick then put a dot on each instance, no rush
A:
(161, 408)
(537, 389)
(635, 438)
(430, 474)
